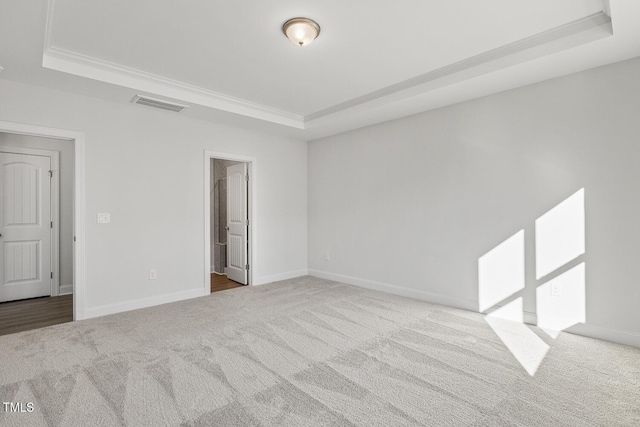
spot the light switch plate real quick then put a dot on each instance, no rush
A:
(104, 218)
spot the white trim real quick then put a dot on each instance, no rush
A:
(136, 304)
(78, 138)
(569, 35)
(528, 317)
(252, 237)
(606, 334)
(66, 289)
(281, 276)
(66, 61)
(48, 25)
(70, 62)
(398, 290)
(542, 44)
(54, 164)
(594, 331)
(583, 329)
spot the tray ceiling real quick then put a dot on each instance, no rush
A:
(373, 61)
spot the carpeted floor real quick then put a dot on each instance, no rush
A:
(308, 352)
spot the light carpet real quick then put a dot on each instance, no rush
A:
(308, 352)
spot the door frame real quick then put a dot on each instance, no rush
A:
(78, 140)
(55, 207)
(252, 210)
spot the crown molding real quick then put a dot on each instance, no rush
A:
(399, 98)
(575, 33)
(77, 64)
(66, 61)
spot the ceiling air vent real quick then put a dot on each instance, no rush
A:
(156, 103)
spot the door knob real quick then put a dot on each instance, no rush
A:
(226, 228)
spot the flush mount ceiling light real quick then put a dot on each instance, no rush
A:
(301, 31)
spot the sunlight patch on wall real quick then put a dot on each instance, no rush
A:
(528, 348)
(559, 239)
(560, 235)
(501, 271)
(561, 301)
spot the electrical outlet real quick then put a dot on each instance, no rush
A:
(104, 218)
(153, 273)
(556, 290)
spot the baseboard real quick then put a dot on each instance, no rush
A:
(66, 289)
(606, 334)
(398, 290)
(104, 310)
(594, 331)
(282, 276)
(587, 330)
(213, 269)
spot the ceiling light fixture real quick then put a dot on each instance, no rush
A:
(301, 31)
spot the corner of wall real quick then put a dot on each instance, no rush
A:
(398, 290)
(263, 280)
(107, 309)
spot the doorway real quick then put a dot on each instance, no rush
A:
(36, 261)
(75, 289)
(229, 223)
(229, 208)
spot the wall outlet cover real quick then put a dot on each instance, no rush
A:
(104, 218)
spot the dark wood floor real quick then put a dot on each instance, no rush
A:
(220, 282)
(24, 315)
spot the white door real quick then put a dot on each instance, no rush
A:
(237, 223)
(25, 228)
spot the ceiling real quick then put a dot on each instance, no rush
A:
(374, 61)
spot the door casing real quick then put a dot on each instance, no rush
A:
(78, 140)
(252, 235)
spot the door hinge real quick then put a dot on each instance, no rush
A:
(247, 222)
(246, 177)
(51, 224)
(74, 238)
(50, 174)
(246, 267)
(52, 274)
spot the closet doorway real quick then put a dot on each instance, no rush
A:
(229, 223)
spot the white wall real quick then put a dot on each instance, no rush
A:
(410, 205)
(145, 167)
